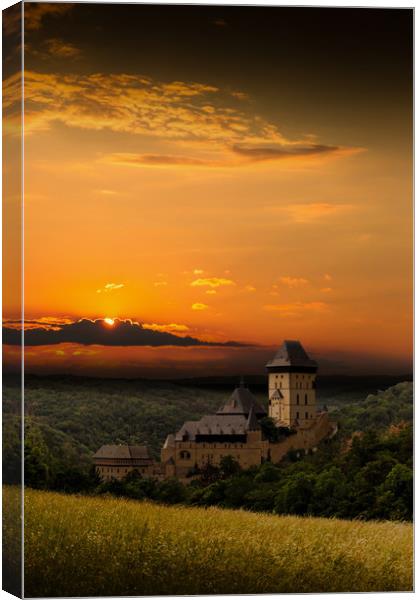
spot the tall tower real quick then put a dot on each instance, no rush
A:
(291, 386)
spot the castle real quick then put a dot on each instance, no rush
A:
(237, 428)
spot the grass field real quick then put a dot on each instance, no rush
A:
(82, 546)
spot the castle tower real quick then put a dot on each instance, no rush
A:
(291, 386)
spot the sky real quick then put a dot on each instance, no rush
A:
(202, 183)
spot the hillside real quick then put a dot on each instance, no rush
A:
(122, 547)
(69, 418)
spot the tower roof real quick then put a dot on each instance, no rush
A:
(241, 402)
(290, 356)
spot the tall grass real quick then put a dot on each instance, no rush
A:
(82, 546)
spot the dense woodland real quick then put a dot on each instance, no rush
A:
(364, 472)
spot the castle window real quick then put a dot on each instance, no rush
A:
(184, 454)
(297, 415)
(306, 415)
(306, 398)
(297, 398)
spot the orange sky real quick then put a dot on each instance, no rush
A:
(207, 209)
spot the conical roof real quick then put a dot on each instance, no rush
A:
(241, 402)
(291, 354)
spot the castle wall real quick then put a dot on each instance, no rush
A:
(108, 469)
(304, 439)
(188, 455)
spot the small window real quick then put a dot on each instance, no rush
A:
(297, 398)
(306, 398)
(297, 415)
(306, 415)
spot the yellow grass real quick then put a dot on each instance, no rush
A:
(79, 546)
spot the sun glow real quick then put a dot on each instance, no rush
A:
(109, 321)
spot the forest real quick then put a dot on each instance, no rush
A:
(364, 472)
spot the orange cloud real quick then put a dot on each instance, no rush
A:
(170, 327)
(297, 308)
(35, 12)
(213, 282)
(199, 306)
(110, 287)
(54, 48)
(293, 282)
(196, 115)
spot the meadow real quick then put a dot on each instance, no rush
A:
(83, 546)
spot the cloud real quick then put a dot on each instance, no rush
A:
(199, 306)
(110, 287)
(233, 157)
(297, 308)
(35, 12)
(161, 160)
(198, 271)
(213, 282)
(250, 288)
(170, 327)
(50, 323)
(293, 282)
(326, 290)
(211, 292)
(327, 277)
(263, 152)
(200, 119)
(122, 333)
(160, 283)
(54, 48)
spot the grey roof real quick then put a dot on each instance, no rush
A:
(240, 403)
(213, 425)
(123, 452)
(292, 354)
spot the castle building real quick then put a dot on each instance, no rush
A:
(233, 431)
(237, 429)
(115, 462)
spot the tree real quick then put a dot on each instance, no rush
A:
(228, 466)
(295, 496)
(329, 492)
(395, 495)
(269, 429)
(171, 491)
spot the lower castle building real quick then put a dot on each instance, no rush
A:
(236, 429)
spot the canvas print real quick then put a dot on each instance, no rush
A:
(207, 299)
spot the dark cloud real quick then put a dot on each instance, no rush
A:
(85, 331)
(278, 152)
(160, 160)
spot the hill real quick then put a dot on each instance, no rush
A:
(122, 547)
(69, 418)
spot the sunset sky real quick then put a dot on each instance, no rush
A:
(213, 180)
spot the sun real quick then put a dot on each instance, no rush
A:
(109, 321)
